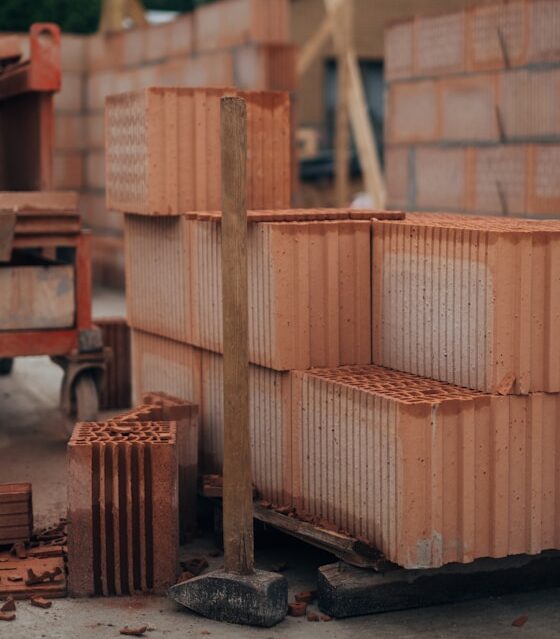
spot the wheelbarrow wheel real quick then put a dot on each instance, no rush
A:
(6, 364)
(87, 399)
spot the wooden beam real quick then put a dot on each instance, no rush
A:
(315, 44)
(364, 135)
(342, 142)
(238, 489)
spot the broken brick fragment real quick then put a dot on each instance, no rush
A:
(520, 621)
(9, 605)
(7, 616)
(326, 618)
(195, 565)
(45, 576)
(40, 602)
(312, 616)
(307, 596)
(296, 609)
(19, 550)
(15, 578)
(133, 632)
(185, 576)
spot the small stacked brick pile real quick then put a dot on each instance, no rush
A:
(427, 426)
(16, 513)
(472, 110)
(233, 43)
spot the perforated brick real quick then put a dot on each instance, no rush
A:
(426, 472)
(468, 301)
(440, 44)
(149, 172)
(497, 35)
(122, 508)
(412, 112)
(441, 178)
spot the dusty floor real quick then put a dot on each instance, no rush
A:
(32, 447)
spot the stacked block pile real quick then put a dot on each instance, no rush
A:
(16, 513)
(232, 43)
(472, 110)
(404, 384)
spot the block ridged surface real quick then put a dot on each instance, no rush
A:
(149, 172)
(122, 508)
(308, 283)
(473, 302)
(428, 473)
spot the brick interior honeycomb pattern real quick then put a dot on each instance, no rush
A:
(122, 508)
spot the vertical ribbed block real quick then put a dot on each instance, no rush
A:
(161, 364)
(427, 472)
(158, 275)
(471, 302)
(122, 507)
(163, 150)
(307, 283)
(117, 383)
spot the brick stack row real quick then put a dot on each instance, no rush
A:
(232, 43)
(472, 110)
(403, 372)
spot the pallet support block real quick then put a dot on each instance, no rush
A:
(346, 591)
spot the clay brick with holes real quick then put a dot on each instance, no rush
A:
(148, 172)
(427, 472)
(470, 301)
(122, 508)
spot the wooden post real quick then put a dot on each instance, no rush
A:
(342, 145)
(237, 491)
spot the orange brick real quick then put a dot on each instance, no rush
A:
(417, 468)
(73, 52)
(468, 108)
(397, 176)
(499, 180)
(95, 170)
(69, 130)
(104, 51)
(412, 112)
(68, 170)
(149, 174)
(134, 47)
(529, 103)
(70, 98)
(158, 41)
(94, 131)
(544, 30)
(439, 44)
(441, 178)
(265, 67)
(99, 85)
(544, 179)
(399, 39)
(467, 300)
(497, 35)
(181, 35)
(234, 22)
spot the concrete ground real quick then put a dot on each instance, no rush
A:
(32, 448)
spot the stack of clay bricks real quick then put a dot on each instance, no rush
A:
(16, 513)
(164, 164)
(447, 448)
(472, 110)
(233, 43)
(131, 498)
(404, 378)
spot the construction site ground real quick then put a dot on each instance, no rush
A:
(32, 448)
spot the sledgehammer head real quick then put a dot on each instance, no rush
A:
(259, 599)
